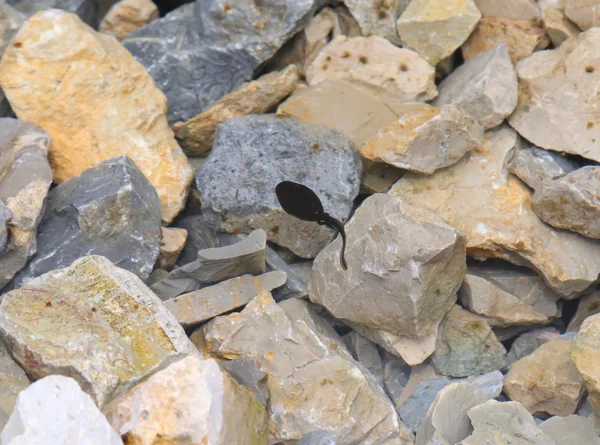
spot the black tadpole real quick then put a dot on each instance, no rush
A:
(302, 203)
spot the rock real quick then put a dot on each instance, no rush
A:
(202, 305)
(528, 342)
(506, 423)
(191, 401)
(378, 177)
(5, 109)
(90, 306)
(570, 430)
(585, 353)
(558, 26)
(241, 191)
(295, 286)
(206, 49)
(466, 346)
(5, 217)
(244, 371)
(55, 410)
(10, 22)
(378, 18)
(85, 9)
(313, 381)
(25, 177)
(365, 352)
(546, 381)
(396, 373)
(490, 384)
(109, 210)
(196, 136)
(124, 115)
(319, 437)
(499, 221)
(127, 16)
(584, 13)
(172, 243)
(570, 114)
(436, 28)
(510, 9)
(425, 140)
(376, 64)
(12, 381)
(588, 305)
(414, 409)
(200, 236)
(215, 265)
(317, 34)
(484, 87)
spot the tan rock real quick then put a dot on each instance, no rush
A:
(378, 177)
(546, 381)
(425, 140)
(509, 9)
(126, 16)
(529, 341)
(95, 100)
(584, 13)
(190, 402)
(436, 28)
(588, 305)
(377, 64)
(558, 26)
(585, 353)
(12, 381)
(377, 17)
(419, 373)
(171, 245)
(570, 430)
(499, 221)
(196, 136)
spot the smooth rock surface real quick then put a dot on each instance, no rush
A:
(414, 409)
(584, 13)
(13, 380)
(528, 342)
(171, 244)
(511, 9)
(585, 353)
(558, 26)
(365, 352)
(127, 16)
(570, 430)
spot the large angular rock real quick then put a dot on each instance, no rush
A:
(252, 154)
(96, 102)
(528, 342)
(584, 13)
(12, 381)
(499, 221)
(91, 321)
(585, 353)
(110, 210)
(54, 410)
(85, 9)
(127, 16)
(570, 430)
(484, 87)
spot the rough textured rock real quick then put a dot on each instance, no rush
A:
(570, 430)
(53, 323)
(85, 9)
(436, 28)
(240, 190)
(377, 17)
(365, 352)
(10, 22)
(528, 342)
(12, 381)
(546, 381)
(201, 235)
(319, 437)
(295, 285)
(510, 9)
(396, 373)
(375, 63)
(191, 401)
(584, 13)
(109, 210)
(127, 16)
(558, 26)
(484, 87)
(570, 113)
(96, 102)
(588, 305)
(197, 135)
(585, 353)
(499, 221)
(171, 244)
(466, 346)
(5, 217)
(313, 381)
(414, 409)
(425, 140)
(378, 177)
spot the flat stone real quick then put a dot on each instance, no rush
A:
(365, 352)
(201, 235)
(484, 87)
(588, 305)
(425, 140)
(499, 220)
(55, 410)
(85, 9)
(196, 136)
(319, 437)
(239, 187)
(436, 28)
(127, 16)
(414, 409)
(215, 265)
(546, 381)
(558, 26)
(570, 430)
(13, 380)
(202, 305)
(466, 346)
(171, 244)
(584, 13)
(110, 210)
(96, 102)
(191, 401)
(376, 64)
(528, 342)
(10, 21)
(377, 18)
(295, 285)
(585, 353)
(52, 324)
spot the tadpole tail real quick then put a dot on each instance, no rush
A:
(337, 225)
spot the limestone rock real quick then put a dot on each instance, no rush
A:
(414, 409)
(91, 321)
(510, 9)
(5, 217)
(499, 221)
(396, 373)
(96, 102)
(436, 28)
(491, 383)
(425, 140)
(466, 346)
(584, 13)
(172, 243)
(484, 87)
(12, 381)
(378, 177)
(570, 430)
(85, 9)
(241, 190)
(319, 437)
(585, 353)
(127, 16)
(295, 285)
(10, 22)
(244, 371)
(377, 17)
(201, 235)
(558, 26)
(588, 305)
(528, 342)
(109, 210)
(191, 401)
(376, 64)
(196, 136)
(546, 381)
(365, 352)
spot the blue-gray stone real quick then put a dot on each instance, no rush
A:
(414, 409)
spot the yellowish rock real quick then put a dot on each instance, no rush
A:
(585, 353)
(171, 245)
(95, 100)
(378, 17)
(126, 16)
(558, 26)
(584, 13)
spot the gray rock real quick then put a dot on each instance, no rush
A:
(12, 381)
(5, 109)
(528, 342)
(10, 22)
(320, 437)
(86, 9)
(246, 372)
(5, 217)
(252, 154)
(491, 383)
(365, 352)
(570, 430)
(414, 409)
(206, 49)
(396, 373)
(214, 265)
(200, 236)
(588, 306)
(110, 210)
(294, 287)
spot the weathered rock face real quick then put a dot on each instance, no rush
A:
(12, 381)
(241, 190)
(85, 9)
(414, 409)
(365, 352)
(570, 113)
(499, 220)
(96, 102)
(171, 244)
(377, 17)
(584, 13)
(588, 305)
(528, 342)
(10, 22)
(127, 16)
(109, 210)
(55, 410)
(558, 26)
(200, 236)
(484, 87)
(191, 401)
(570, 430)
(585, 353)
(295, 286)
(52, 324)
(378, 177)
(197, 135)
(376, 64)
(319, 437)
